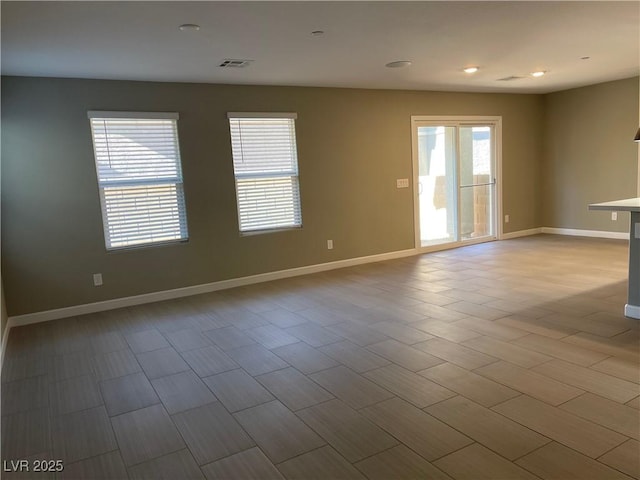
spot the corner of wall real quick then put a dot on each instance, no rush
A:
(588, 129)
(4, 324)
(638, 151)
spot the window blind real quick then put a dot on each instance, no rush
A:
(265, 164)
(139, 177)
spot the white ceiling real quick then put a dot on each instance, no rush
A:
(141, 41)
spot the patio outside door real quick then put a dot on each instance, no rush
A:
(455, 181)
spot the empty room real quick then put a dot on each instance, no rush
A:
(320, 240)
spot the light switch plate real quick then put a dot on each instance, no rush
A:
(402, 183)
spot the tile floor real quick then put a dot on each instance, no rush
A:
(505, 360)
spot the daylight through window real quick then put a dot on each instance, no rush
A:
(139, 177)
(265, 164)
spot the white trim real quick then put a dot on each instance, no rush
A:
(521, 233)
(47, 315)
(497, 132)
(586, 233)
(454, 120)
(452, 245)
(632, 311)
(477, 241)
(415, 170)
(293, 115)
(43, 316)
(116, 114)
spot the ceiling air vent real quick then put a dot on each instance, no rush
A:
(234, 63)
(509, 79)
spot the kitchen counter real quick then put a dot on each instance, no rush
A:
(632, 308)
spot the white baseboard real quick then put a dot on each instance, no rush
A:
(586, 233)
(75, 310)
(632, 311)
(29, 318)
(520, 233)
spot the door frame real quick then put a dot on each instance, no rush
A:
(448, 120)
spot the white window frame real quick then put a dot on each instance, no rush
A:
(173, 198)
(250, 225)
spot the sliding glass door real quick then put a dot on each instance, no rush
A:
(437, 184)
(455, 180)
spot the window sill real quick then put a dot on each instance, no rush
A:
(144, 246)
(253, 233)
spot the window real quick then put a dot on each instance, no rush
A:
(139, 178)
(265, 164)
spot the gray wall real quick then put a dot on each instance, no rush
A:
(589, 155)
(352, 145)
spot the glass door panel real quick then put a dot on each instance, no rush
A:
(476, 213)
(437, 185)
(476, 182)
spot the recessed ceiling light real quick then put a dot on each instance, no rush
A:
(398, 64)
(317, 33)
(189, 27)
(539, 73)
(470, 70)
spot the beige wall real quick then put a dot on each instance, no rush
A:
(352, 146)
(589, 155)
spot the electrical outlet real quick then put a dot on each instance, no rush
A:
(402, 183)
(614, 216)
(506, 219)
(329, 244)
(97, 279)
